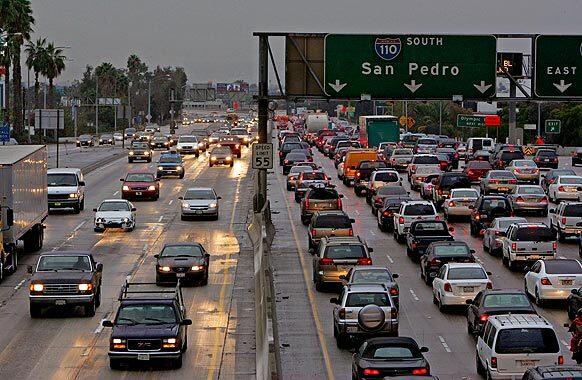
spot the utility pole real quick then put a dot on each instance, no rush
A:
(539, 118)
(512, 113)
(129, 111)
(96, 104)
(440, 117)
(149, 115)
(261, 196)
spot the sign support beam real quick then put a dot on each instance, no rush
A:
(263, 111)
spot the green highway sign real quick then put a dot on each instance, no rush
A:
(470, 121)
(553, 126)
(410, 66)
(558, 66)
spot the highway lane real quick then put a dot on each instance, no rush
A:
(452, 350)
(70, 346)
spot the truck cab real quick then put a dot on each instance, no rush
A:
(66, 189)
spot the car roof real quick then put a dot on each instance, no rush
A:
(140, 171)
(530, 224)
(199, 188)
(401, 340)
(449, 243)
(416, 202)
(569, 176)
(331, 212)
(114, 200)
(343, 240)
(66, 253)
(519, 320)
(367, 288)
(369, 267)
(63, 171)
(182, 245)
(464, 265)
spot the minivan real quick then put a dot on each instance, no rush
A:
(66, 189)
(479, 143)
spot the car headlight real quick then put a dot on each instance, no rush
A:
(212, 205)
(165, 269)
(170, 343)
(118, 344)
(213, 158)
(125, 188)
(74, 195)
(151, 188)
(237, 146)
(228, 158)
(36, 287)
(165, 143)
(200, 145)
(78, 142)
(99, 220)
(85, 287)
(185, 205)
(125, 220)
(197, 267)
(178, 168)
(160, 168)
(146, 153)
(131, 153)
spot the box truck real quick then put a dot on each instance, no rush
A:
(316, 121)
(377, 129)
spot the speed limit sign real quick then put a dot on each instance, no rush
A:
(262, 156)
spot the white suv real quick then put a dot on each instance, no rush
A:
(513, 343)
(526, 243)
(566, 219)
(411, 212)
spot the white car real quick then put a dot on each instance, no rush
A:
(384, 177)
(118, 136)
(114, 213)
(459, 202)
(565, 187)
(456, 283)
(553, 279)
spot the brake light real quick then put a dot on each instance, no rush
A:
(520, 199)
(342, 313)
(414, 245)
(554, 246)
(401, 220)
(456, 156)
(493, 181)
(489, 285)
(514, 246)
(493, 362)
(351, 232)
(561, 188)
(306, 203)
(435, 261)
(393, 291)
(413, 168)
(387, 213)
(544, 200)
(448, 287)
(518, 170)
(545, 281)
(513, 181)
(339, 203)
(452, 204)
(286, 161)
(438, 217)
(326, 261)
(419, 371)
(365, 261)
(470, 172)
(536, 159)
(313, 232)
(560, 360)
(357, 174)
(563, 220)
(371, 372)
(477, 216)
(483, 318)
(440, 191)
(280, 154)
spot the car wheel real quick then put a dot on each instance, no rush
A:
(82, 205)
(342, 341)
(561, 237)
(504, 260)
(289, 187)
(90, 309)
(485, 247)
(98, 297)
(374, 211)
(511, 265)
(479, 365)
(470, 330)
(76, 209)
(319, 285)
(538, 300)
(441, 306)
(129, 160)
(98, 229)
(571, 313)
(434, 299)
(115, 364)
(204, 281)
(304, 220)
(35, 311)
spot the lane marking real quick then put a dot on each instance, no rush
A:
(99, 327)
(389, 259)
(357, 212)
(414, 296)
(20, 284)
(170, 202)
(444, 343)
(115, 193)
(145, 247)
(79, 225)
(160, 218)
(372, 233)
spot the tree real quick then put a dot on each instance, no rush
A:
(37, 60)
(54, 67)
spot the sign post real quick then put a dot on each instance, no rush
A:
(558, 63)
(262, 157)
(553, 126)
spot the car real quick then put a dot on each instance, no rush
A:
(330, 148)
(526, 243)
(319, 199)
(445, 162)
(420, 176)
(114, 213)
(420, 160)
(498, 181)
(383, 358)
(479, 143)
(400, 159)
(140, 185)
(553, 279)
(150, 324)
(476, 170)
(422, 233)
(214, 137)
(551, 175)
(576, 157)
(184, 262)
(567, 187)
(242, 134)
(85, 140)
(480, 155)
(203, 138)
(106, 139)
(459, 202)
(364, 171)
(426, 186)
(170, 164)
(291, 159)
(65, 279)
(443, 185)
(497, 229)
(363, 311)
(160, 142)
(451, 154)
(438, 253)
(66, 189)
(448, 143)
(150, 130)
(308, 180)
(220, 155)
(554, 372)
(411, 212)
(409, 140)
(381, 178)
(455, 283)
(328, 223)
(566, 220)
(286, 148)
(335, 256)
(425, 145)
(525, 171)
(188, 144)
(293, 175)
(529, 198)
(130, 132)
(492, 302)
(546, 158)
(118, 136)
(462, 151)
(199, 201)
(374, 275)
(139, 150)
(500, 160)
(385, 213)
(512, 343)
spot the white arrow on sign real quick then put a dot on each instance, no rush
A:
(412, 86)
(562, 86)
(482, 87)
(337, 86)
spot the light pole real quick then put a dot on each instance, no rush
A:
(129, 110)
(96, 103)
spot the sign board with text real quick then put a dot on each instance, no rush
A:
(531, 127)
(553, 126)
(410, 66)
(49, 118)
(5, 132)
(470, 121)
(262, 157)
(558, 66)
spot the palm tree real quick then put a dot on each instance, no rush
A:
(55, 66)
(37, 61)
(17, 20)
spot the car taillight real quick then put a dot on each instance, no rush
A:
(448, 287)
(544, 200)
(306, 203)
(365, 261)
(394, 313)
(456, 156)
(520, 199)
(554, 246)
(326, 261)
(440, 191)
(452, 204)
(435, 261)
(493, 362)
(518, 170)
(401, 220)
(339, 203)
(560, 360)
(483, 318)
(513, 246)
(357, 174)
(545, 281)
(286, 161)
(351, 232)
(438, 217)
(489, 285)
(280, 154)
(342, 313)
(419, 371)
(551, 181)
(513, 181)
(371, 372)
(313, 232)
(393, 291)
(413, 168)
(563, 220)
(561, 188)
(470, 172)
(536, 159)
(387, 213)
(493, 181)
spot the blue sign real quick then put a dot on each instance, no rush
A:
(5, 132)
(387, 48)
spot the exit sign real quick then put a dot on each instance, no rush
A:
(553, 126)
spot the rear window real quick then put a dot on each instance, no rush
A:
(464, 194)
(391, 190)
(386, 177)
(402, 152)
(347, 251)
(543, 234)
(506, 300)
(426, 142)
(429, 228)
(391, 353)
(426, 160)
(524, 164)
(509, 156)
(317, 176)
(371, 276)
(530, 190)
(287, 147)
(299, 169)
(323, 194)
(573, 210)
(479, 165)
(466, 274)
(451, 180)
(451, 250)
(501, 174)
(522, 340)
(372, 165)
(571, 181)
(296, 157)
(547, 153)
(410, 138)
(363, 299)
(420, 209)
(332, 221)
(563, 267)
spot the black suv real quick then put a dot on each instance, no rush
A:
(546, 158)
(150, 324)
(504, 157)
(65, 279)
(487, 208)
(363, 173)
(443, 185)
(442, 252)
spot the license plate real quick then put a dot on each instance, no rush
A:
(138, 193)
(534, 257)
(468, 289)
(364, 191)
(546, 160)
(143, 356)
(57, 204)
(504, 189)
(60, 302)
(527, 363)
(180, 275)
(198, 212)
(352, 329)
(567, 282)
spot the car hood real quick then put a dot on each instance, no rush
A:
(113, 214)
(169, 164)
(220, 155)
(145, 331)
(180, 261)
(199, 202)
(62, 189)
(140, 150)
(61, 277)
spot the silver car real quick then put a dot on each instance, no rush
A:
(525, 170)
(198, 202)
(529, 198)
(459, 202)
(498, 181)
(400, 159)
(418, 177)
(499, 226)
(294, 174)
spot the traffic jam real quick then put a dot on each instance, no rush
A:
(467, 215)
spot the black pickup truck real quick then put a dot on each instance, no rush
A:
(150, 325)
(65, 279)
(424, 232)
(363, 173)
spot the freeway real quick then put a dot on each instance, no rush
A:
(304, 316)
(221, 339)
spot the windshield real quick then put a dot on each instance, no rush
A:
(501, 174)
(346, 251)
(505, 223)
(464, 194)
(534, 233)
(563, 267)
(479, 165)
(419, 209)
(62, 180)
(140, 177)
(451, 250)
(114, 206)
(547, 153)
(68, 262)
(571, 180)
(466, 274)
(199, 194)
(332, 221)
(363, 299)
(574, 210)
(429, 228)
(145, 314)
(181, 250)
(139, 145)
(450, 180)
(521, 340)
(506, 300)
(130, 130)
(402, 152)
(300, 169)
(371, 276)
(187, 139)
(524, 164)
(314, 176)
(391, 353)
(530, 190)
(169, 159)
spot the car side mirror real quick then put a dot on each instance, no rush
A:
(107, 323)
(186, 322)
(218, 197)
(156, 256)
(552, 211)
(334, 301)
(469, 302)
(370, 249)
(423, 349)
(99, 267)
(395, 275)
(567, 325)
(489, 273)
(341, 195)
(451, 229)
(81, 183)
(133, 209)
(472, 251)
(471, 207)
(29, 269)
(574, 291)
(94, 210)
(181, 198)
(207, 255)
(352, 221)
(9, 217)
(311, 250)
(122, 180)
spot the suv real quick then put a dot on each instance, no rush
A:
(286, 148)
(546, 158)
(309, 179)
(66, 188)
(139, 150)
(487, 208)
(400, 158)
(150, 324)
(439, 253)
(65, 279)
(328, 223)
(554, 372)
(418, 160)
(504, 157)
(319, 199)
(443, 185)
(566, 219)
(526, 243)
(188, 144)
(410, 212)
(513, 343)
(363, 172)
(424, 232)
(335, 256)
(363, 311)
(373, 275)
(170, 164)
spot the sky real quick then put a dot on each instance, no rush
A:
(212, 39)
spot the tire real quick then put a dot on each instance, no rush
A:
(90, 309)
(571, 313)
(185, 345)
(511, 265)
(470, 330)
(76, 209)
(561, 237)
(177, 363)
(98, 297)
(98, 229)
(485, 248)
(345, 182)
(319, 285)
(341, 341)
(479, 365)
(539, 302)
(504, 260)
(304, 220)
(204, 280)
(129, 160)
(82, 205)
(382, 228)
(289, 188)
(35, 310)
(115, 364)
(440, 305)
(209, 165)
(182, 176)
(358, 192)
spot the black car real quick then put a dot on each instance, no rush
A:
(65, 279)
(139, 150)
(187, 262)
(577, 157)
(443, 252)
(554, 372)
(494, 302)
(546, 158)
(160, 142)
(441, 189)
(85, 140)
(385, 214)
(286, 148)
(386, 192)
(423, 232)
(378, 358)
(551, 176)
(574, 302)
(291, 159)
(487, 208)
(149, 325)
(363, 173)
(452, 154)
(504, 157)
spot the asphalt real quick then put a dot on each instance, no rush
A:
(66, 345)
(304, 316)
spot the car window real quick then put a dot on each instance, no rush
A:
(546, 153)
(363, 299)
(526, 340)
(429, 228)
(187, 139)
(332, 221)
(181, 250)
(464, 194)
(114, 206)
(372, 165)
(534, 233)
(62, 179)
(451, 250)
(140, 177)
(479, 165)
(571, 180)
(491, 336)
(317, 176)
(530, 190)
(501, 174)
(68, 262)
(505, 300)
(574, 210)
(426, 142)
(371, 275)
(504, 223)
(323, 194)
(426, 160)
(563, 267)
(152, 314)
(450, 180)
(510, 156)
(299, 169)
(419, 209)
(386, 177)
(466, 274)
(166, 159)
(391, 353)
(347, 251)
(490, 204)
(402, 152)
(296, 157)
(192, 194)
(139, 145)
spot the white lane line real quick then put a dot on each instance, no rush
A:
(79, 225)
(372, 233)
(99, 327)
(145, 247)
(170, 202)
(160, 218)
(390, 259)
(444, 343)
(20, 284)
(117, 192)
(561, 257)
(414, 296)
(357, 212)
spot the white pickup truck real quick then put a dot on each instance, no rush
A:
(526, 243)
(566, 219)
(411, 212)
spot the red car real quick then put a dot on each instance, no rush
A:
(476, 170)
(140, 185)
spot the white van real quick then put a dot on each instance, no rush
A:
(479, 143)
(513, 343)
(66, 189)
